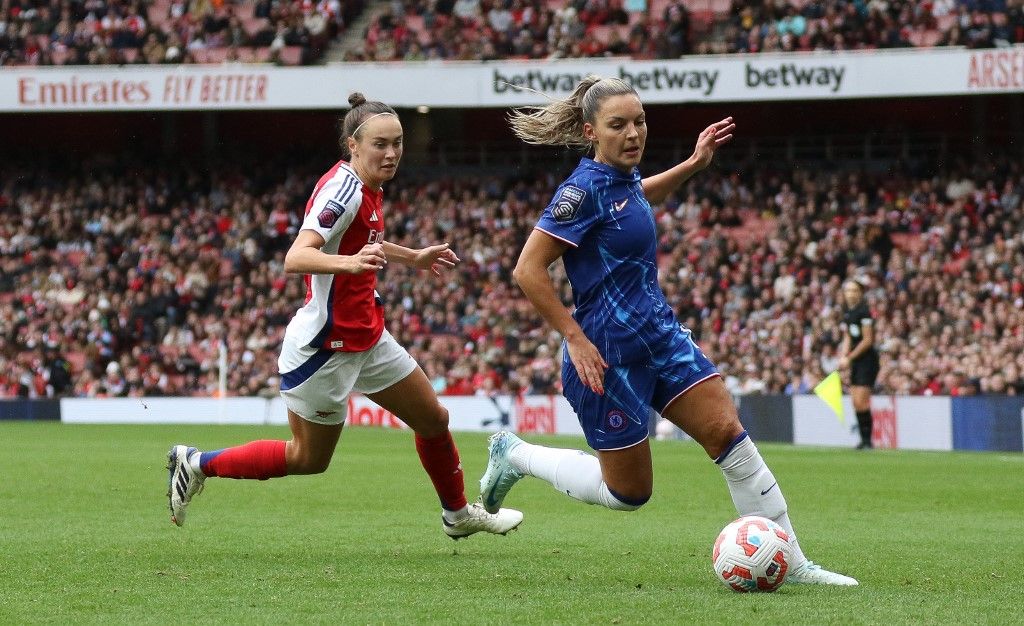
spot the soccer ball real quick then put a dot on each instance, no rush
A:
(752, 554)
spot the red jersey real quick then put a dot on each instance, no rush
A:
(343, 312)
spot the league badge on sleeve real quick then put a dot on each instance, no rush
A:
(568, 204)
(332, 211)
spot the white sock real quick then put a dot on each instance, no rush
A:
(573, 472)
(453, 516)
(755, 491)
(193, 462)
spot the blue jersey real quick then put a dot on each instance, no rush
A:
(601, 212)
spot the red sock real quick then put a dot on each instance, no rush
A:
(440, 458)
(257, 459)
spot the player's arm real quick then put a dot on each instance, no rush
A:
(531, 274)
(305, 257)
(658, 187)
(433, 258)
(844, 348)
(867, 340)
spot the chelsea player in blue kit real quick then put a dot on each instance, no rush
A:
(624, 352)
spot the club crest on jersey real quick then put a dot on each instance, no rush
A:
(332, 211)
(568, 204)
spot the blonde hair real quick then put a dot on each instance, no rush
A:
(560, 123)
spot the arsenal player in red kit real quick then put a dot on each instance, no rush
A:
(337, 343)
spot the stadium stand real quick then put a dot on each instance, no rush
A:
(100, 32)
(123, 282)
(521, 29)
(48, 32)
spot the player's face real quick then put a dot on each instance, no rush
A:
(852, 295)
(376, 153)
(619, 132)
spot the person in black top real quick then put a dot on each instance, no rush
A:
(858, 353)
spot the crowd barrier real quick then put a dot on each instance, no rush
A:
(25, 409)
(994, 423)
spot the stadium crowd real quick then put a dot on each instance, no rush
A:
(489, 30)
(842, 25)
(116, 285)
(496, 29)
(44, 32)
(102, 32)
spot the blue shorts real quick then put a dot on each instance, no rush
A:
(619, 418)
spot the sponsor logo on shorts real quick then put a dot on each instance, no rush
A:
(325, 414)
(337, 344)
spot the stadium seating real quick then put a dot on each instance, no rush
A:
(164, 31)
(709, 26)
(112, 35)
(752, 264)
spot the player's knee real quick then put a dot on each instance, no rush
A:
(631, 502)
(442, 416)
(434, 423)
(722, 436)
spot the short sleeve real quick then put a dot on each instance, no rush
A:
(334, 206)
(571, 214)
(866, 321)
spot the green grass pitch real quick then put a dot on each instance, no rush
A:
(85, 537)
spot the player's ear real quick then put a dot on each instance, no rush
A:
(589, 133)
(352, 143)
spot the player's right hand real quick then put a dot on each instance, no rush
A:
(589, 363)
(369, 259)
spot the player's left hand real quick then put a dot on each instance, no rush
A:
(436, 258)
(718, 134)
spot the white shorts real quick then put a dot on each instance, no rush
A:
(315, 384)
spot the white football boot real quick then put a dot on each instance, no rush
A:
(476, 519)
(810, 573)
(183, 482)
(500, 475)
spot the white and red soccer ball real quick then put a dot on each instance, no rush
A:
(752, 554)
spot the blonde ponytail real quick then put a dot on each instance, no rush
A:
(561, 122)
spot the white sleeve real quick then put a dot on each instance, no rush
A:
(334, 206)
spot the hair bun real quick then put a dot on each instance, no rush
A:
(356, 99)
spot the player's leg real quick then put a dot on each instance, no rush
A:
(706, 412)
(413, 401)
(315, 386)
(620, 477)
(704, 409)
(308, 452)
(861, 396)
(863, 373)
(392, 379)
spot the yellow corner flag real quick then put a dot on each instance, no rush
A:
(830, 390)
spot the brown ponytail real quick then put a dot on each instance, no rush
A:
(362, 110)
